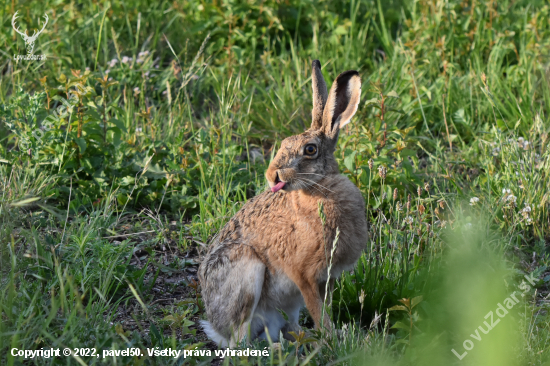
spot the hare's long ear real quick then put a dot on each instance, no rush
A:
(320, 95)
(342, 103)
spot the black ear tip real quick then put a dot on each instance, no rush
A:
(347, 76)
(316, 64)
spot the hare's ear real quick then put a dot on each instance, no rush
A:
(320, 95)
(342, 103)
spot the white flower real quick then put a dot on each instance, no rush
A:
(113, 62)
(529, 221)
(473, 201)
(506, 191)
(136, 90)
(526, 209)
(126, 59)
(138, 129)
(511, 198)
(408, 220)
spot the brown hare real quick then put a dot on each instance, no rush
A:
(272, 255)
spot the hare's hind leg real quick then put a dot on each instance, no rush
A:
(231, 294)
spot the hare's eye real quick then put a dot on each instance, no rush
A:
(310, 149)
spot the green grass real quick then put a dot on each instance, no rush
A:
(150, 123)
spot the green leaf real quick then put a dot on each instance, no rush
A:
(398, 307)
(415, 301)
(392, 94)
(349, 161)
(118, 123)
(81, 144)
(372, 101)
(400, 325)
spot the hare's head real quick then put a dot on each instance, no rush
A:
(303, 160)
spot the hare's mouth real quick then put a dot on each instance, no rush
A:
(279, 184)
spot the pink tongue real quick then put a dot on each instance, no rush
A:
(277, 186)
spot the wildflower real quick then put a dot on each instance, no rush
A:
(136, 90)
(408, 220)
(529, 221)
(419, 191)
(421, 209)
(382, 171)
(87, 69)
(113, 63)
(427, 186)
(399, 206)
(156, 66)
(495, 151)
(511, 198)
(371, 164)
(362, 297)
(409, 202)
(474, 201)
(142, 56)
(395, 194)
(107, 72)
(126, 59)
(526, 210)
(138, 129)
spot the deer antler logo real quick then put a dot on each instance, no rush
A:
(29, 40)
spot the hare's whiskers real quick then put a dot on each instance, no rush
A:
(311, 186)
(320, 185)
(313, 174)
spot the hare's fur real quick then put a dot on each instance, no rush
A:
(273, 255)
